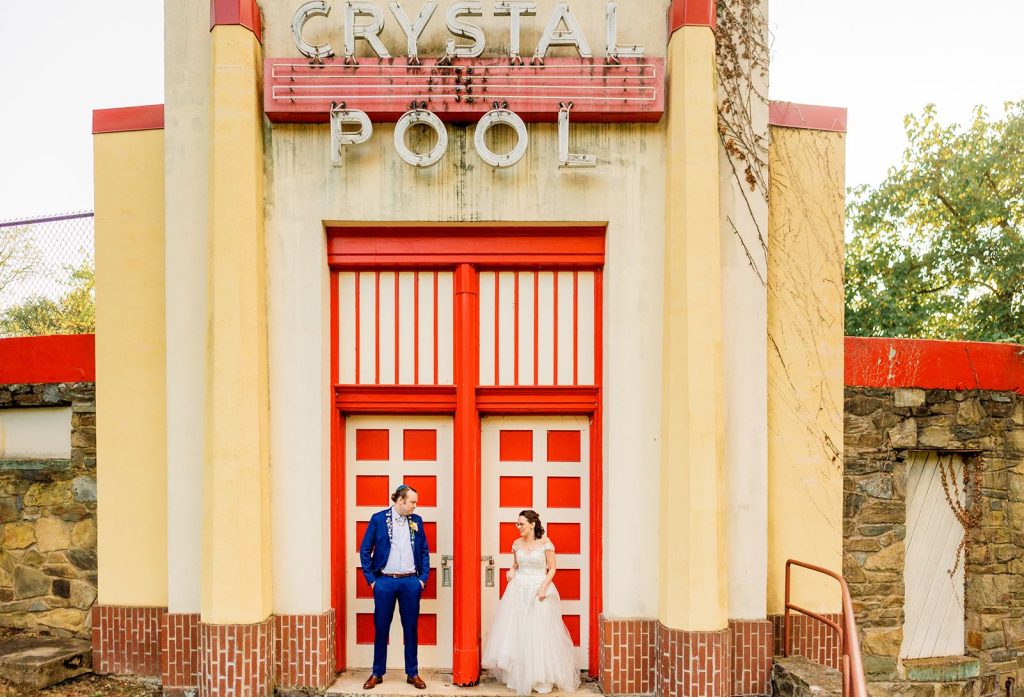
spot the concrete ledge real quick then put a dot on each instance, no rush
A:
(54, 465)
(38, 662)
(942, 669)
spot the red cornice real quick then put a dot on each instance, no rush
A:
(934, 365)
(691, 13)
(816, 118)
(237, 12)
(130, 118)
(40, 359)
(509, 247)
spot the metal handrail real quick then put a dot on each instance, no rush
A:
(852, 668)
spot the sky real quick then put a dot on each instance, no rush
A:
(61, 59)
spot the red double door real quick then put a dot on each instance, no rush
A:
(480, 387)
(540, 463)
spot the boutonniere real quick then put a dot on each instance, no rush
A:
(413, 526)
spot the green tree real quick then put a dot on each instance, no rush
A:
(73, 313)
(19, 256)
(937, 249)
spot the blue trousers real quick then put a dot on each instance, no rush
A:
(386, 592)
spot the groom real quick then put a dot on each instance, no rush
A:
(396, 564)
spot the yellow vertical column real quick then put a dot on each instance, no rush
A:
(692, 545)
(236, 576)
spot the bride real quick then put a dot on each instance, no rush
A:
(529, 647)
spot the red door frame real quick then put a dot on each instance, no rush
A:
(466, 250)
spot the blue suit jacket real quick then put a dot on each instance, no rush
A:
(376, 546)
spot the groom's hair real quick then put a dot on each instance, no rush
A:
(402, 492)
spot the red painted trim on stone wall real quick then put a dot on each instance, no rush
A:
(59, 358)
(130, 118)
(692, 13)
(936, 365)
(237, 12)
(811, 116)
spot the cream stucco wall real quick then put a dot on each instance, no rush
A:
(744, 231)
(130, 383)
(805, 369)
(186, 138)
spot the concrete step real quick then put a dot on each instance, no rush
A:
(350, 684)
(37, 662)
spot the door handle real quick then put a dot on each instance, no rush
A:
(489, 571)
(446, 570)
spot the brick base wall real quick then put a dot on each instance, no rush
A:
(235, 659)
(692, 664)
(179, 652)
(304, 650)
(288, 651)
(751, 664)
(642, 657)
(126, 640)
(627, 656)
(810, 638)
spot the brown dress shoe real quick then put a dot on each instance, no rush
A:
(372, 682)
(417, 682)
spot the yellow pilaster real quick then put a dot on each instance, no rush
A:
(236, 576)
(805, 363)
(692, 545)
(130, 355)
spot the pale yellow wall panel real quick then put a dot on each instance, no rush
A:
(130, 357)
(805, 362)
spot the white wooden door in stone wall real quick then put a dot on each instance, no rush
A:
(381, 453)
(934, 611)
(542, 463)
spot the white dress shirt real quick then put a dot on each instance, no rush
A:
(400, 559)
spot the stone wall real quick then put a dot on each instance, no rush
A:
(881, 427)
(48, 521)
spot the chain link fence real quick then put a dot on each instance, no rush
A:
(46, 275)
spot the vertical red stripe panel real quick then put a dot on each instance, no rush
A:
(536, 324)
(515, 320)
(554, 376)
(466, 658)
(398, 341)
(376, 327)
(497, 327)
(335, 355)
(416, 328)
(575, 327)
(358, 328)
(437, 380)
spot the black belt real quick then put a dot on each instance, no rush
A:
(413, 573)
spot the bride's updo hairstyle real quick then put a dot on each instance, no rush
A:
(532, 517)
(402, 492)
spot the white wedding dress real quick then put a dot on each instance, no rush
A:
(529, 647)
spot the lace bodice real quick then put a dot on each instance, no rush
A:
(532, 561)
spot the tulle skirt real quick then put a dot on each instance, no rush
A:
(529, 647)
